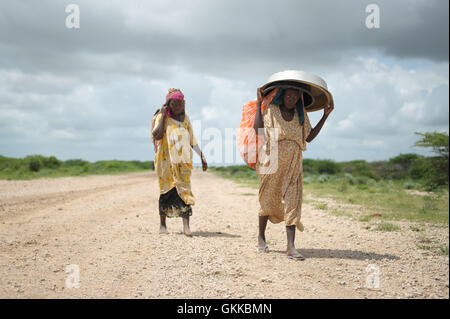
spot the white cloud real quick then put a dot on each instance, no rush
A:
(92, 93)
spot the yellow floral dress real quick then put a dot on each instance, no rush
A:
(173, 165)
(281, 176)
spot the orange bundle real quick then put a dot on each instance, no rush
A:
(248, 144)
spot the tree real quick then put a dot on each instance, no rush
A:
(435, 140)
(436, 168)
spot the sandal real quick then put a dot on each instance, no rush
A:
(295, 256)
(264, 249)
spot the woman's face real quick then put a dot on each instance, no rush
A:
(176, 106)
(290, 98)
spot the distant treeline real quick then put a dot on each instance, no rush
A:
(403, 166)
(40, 166)
(430, 172)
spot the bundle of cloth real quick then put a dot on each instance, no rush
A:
(247, 141)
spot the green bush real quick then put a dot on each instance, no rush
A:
(405, 160)
(360, 168)
(408, 184)
(323, 178)
(418, 170)
(308, 179)
(321, 166)
(436, 169)
(74, 162)
(361, 180)
(349, 178)
(86, 167)
(309, 166)
(34, 164)
(328, 167)
(342, 187)
(51, 162)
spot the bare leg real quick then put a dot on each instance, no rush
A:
(262, 246)
(186, 229)
(291, 251)
(162, 227)
(290, 232)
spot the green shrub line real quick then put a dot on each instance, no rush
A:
(391, 196)
(37, 166)
(412, 170)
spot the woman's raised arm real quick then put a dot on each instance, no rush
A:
(326, 111)
(259, 123)
(158, 131)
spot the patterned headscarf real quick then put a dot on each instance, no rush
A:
(174, 94)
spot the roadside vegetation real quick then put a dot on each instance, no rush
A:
(36, 166)
(408, 187)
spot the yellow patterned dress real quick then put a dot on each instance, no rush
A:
(173, 165)
(281, 176)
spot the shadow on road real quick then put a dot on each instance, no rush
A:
(213, 234)
(342, 254)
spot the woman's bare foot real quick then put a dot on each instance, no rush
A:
(292, 253)
(163, 229)
(186, 229)
(262, 246)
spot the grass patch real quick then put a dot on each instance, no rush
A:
(243, 175)
(424, 240)
(321, 206)
(425, 247)
(443, 251)
(427, 244)
(386, 227)
(389, 198)
(364, 219)
(415, 229)
(341, 213)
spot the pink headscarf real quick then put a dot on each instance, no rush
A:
(174, 94)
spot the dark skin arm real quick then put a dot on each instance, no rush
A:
(158, 131)
(326, 111)
(259, 123)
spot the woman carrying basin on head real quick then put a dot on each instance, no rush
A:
(281, 188)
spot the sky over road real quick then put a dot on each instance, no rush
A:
(90, 92)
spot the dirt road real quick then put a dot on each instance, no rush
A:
(106, 228)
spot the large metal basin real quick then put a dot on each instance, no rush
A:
(315, 88)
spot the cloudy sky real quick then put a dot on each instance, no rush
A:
(90, 92)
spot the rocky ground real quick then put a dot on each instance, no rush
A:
(104, 230)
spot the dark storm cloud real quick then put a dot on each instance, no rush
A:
(91, 92)
(214, 37)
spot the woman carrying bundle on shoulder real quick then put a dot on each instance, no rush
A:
(173, 138)
(281, 186)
